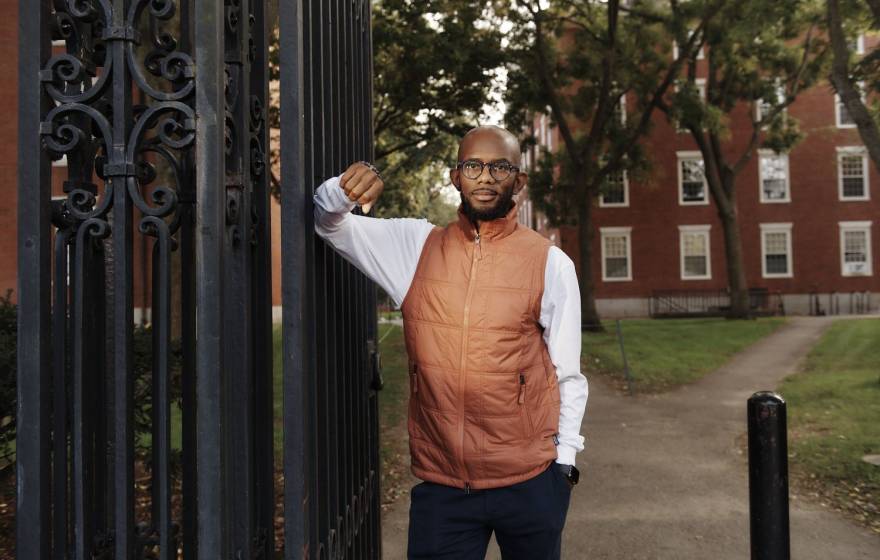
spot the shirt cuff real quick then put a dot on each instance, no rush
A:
(565, 454)
(339, 201)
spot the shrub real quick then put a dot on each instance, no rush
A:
(143, 393)
(8, 329)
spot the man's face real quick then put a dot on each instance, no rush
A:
(485, 198)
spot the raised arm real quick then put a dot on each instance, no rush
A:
(386, 250)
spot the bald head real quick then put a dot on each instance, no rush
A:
(490, 138)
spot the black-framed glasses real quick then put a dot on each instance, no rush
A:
(499, 170)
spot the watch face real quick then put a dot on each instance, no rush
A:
(574, 475)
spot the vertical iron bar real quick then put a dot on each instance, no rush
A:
(237, 288)
(59, 398)
(261, 278)
(768, 477)
(100, 408)
(33, 534)
(296, 234)
(209, 231)
(161, 395)
(122, 274)
(83, 425)
(189, 488)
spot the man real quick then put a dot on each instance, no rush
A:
(491, 314)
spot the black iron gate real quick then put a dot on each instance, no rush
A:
(331, 464)
(145, 385)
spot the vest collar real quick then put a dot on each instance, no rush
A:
(495, 229)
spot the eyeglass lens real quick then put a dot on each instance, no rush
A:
(473, 169)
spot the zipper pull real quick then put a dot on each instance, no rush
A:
(522, 389)
(415, 379)
(479, 247)
(467, 487)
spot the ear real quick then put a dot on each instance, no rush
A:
(522, 179)
(454, 175)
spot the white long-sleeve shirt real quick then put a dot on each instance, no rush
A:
(388, 250)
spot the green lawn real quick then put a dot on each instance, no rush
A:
(666, 353)
(834, 417)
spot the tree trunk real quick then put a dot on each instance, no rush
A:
(733, 255)
(850, 96)
(590, 320)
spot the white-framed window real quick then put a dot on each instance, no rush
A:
(776, 258)
(615, 191)
(855, 249)
(852, 173)
(692, 188)
(694, 246)
(616, 254)
(773, 177)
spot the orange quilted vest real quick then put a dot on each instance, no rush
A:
(484, 403)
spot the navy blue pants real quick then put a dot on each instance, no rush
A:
(527, 518)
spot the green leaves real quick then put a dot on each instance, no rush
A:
(436, 66)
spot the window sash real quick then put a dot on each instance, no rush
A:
(774, 177)
(693, 181)
(614, 191)
(852, 175)
(777, 260)
(695, 254)
(616, 256)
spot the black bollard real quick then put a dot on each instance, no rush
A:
(768, 477)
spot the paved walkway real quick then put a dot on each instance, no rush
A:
(663, 476)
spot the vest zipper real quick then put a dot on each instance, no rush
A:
(522, 388)
(415, 378)
(464, 345)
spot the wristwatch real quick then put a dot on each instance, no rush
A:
(570, 472)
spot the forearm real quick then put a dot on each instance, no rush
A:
(386, 250)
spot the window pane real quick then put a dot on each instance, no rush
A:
(694, 266)
(616, 262)
(776, 243)
(613, 193)
(774, 174)
(777, 264)
(853, 187)
(692, 180)
(855, 247)
(616, 268)
(852, 174)
(695, 244)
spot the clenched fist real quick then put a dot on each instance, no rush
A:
(362, 184)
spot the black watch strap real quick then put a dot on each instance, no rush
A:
(571, 473)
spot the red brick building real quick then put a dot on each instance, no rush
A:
(806, 218)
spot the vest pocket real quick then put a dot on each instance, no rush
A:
(528, 428)
(414, 378)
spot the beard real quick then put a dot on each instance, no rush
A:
(502, 206)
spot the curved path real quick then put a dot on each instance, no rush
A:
(663, 476)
